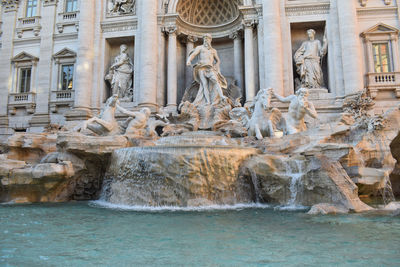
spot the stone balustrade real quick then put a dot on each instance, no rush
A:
(383, 81)
(22, 100)
(61, 98)
(28, 24)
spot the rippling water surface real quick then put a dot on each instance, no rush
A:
(86, 234)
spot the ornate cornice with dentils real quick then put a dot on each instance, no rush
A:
(308, 9)
(10, 5)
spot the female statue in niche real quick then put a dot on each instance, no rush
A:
(308, 61)
(120, 75)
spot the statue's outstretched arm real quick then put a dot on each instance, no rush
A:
(283, 99)
(125, 111)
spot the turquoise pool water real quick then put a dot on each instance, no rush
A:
(84, 234)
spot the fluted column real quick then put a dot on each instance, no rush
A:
(172, 79)
(273, 61)
(238, 57)
(249, 60)
(85, 58)
(149, 33)
(351, 51)
(190, 40)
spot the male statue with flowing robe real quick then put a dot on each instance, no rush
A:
(207, 73)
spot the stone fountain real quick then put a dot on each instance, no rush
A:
(213, 151)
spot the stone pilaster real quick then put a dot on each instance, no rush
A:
(6, 53)
(351, 50)
(41, 117)
(237, 37)
(249, 60)
(172, 78)
(190, 40)
(147, 23)
(84, 63)
(273, 61)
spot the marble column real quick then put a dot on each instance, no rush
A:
(84, 63)
(41, 117)
(249, 60)
(238, 57)
(172, 78)
(351, 50)
(273, 60)
(6, 53)
(190, 40)
(149, 34)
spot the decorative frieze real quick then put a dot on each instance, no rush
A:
(308, 9)
(120, 25)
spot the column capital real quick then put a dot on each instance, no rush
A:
(249, 23)
(191, 39)
(237, 34)
(170, 29)
(10, 5)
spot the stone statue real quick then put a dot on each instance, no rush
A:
(298, 108)
(121, 6)
(264, 119)
(105, 124)
(308, 61)
(137, 122)
(207, 73)
(120, 75)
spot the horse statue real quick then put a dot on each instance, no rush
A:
(264, 119)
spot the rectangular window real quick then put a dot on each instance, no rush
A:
(67, 77)
(382, 58)
(31, 8)
(25, 80)
(71, 5)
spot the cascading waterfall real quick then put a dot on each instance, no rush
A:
(295, 172)
(174, 173)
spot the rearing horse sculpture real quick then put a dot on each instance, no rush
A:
(264, 120)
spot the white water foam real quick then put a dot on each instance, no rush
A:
(108, 205)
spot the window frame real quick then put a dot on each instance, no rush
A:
(34, 8)
(74, 3)
(61, 79)
(388, 54)
(22, 76)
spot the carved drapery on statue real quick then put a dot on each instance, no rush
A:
(308, 62)
(120, 75)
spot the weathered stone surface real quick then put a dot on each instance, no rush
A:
(325, 208)
(319, 180)
(178, 175)
(30, 147)
(395, 175)
(96, 145)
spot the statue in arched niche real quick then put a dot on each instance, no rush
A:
(120, 75)
(308, 61)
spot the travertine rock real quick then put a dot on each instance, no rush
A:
(395, 175)
(30, 147)
(178, 175)
(325, 208)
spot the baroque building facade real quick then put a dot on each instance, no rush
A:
(57, 57)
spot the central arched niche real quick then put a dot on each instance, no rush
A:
(220, 18)
(205, 13)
